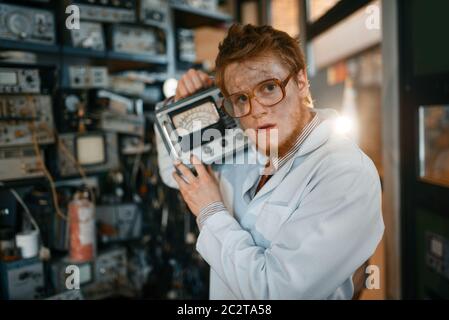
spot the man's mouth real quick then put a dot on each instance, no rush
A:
(267, 126)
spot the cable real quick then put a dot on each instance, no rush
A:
(42, 164)
(50, 180)
(47, 173)
(24, 206)
(44, 252)
(26, 209)
(81, 171)
(79, 168)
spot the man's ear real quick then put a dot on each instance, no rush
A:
(302, 81)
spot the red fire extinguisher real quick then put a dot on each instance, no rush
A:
(82, 227)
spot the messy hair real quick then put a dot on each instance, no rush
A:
(244, 42)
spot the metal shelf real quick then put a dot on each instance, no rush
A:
(111, 55)
(81, 52)
(24, 46)
(190, 17)
(152, 59)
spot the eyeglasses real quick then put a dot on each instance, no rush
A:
(268, 93)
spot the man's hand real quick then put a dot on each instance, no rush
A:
(191, 82)
(199, 191)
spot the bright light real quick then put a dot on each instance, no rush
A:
(169, 87)
(344, 125)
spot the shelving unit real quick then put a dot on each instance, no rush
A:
(62, 55)
(32, 47)
(150, 59)
(81, 52)
(189, 17)
(179, 16)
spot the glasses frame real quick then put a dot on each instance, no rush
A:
(281, 83)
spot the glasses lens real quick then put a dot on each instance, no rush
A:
(237, 105)
(268, 93)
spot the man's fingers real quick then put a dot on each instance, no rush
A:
(186, 172)
(192, 82)
(179, 180)
(199, 166)
(195, 77)
(189, 85)
(210, 171)
(205, 79)
(181, 92)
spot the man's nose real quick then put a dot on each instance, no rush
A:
(257, 110)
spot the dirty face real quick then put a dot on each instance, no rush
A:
(276, 127)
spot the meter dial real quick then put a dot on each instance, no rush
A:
(196, 118)
(72, 102)
(19, 24)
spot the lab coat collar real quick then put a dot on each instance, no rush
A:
(254, 170)
(321, 133)
(315, 140)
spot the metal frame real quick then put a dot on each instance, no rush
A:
(415, 194)
(339, 12)
(391, 147)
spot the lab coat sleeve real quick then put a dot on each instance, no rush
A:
(165, 163)
(342, 212)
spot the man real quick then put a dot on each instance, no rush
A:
(299, 227)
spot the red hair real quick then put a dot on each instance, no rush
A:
(244, 42)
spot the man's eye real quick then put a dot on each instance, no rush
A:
(269, 87)
(242, 99)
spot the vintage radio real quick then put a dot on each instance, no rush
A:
(127, 124)
(88, 77)
(137, 40)
(111, 266)
(197, 125)
(210, 5)
(106, 10)
(19, 163)
(106, 100)
(73, 114)
(134, 145)
(154, 12)
(18, 80)
(118, 113)
(89, 36)
(62, 268)
(23, 116)
(93, 151)
(186, 45)
(26, 24)
(22, 279)
(118, 222)
(127, 86)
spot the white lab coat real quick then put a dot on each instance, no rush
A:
(305, 232)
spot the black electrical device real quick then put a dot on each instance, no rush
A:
(8, 209)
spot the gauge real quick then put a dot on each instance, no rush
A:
(19, 24)
(90, 35)
(72, 102)
(196, 118)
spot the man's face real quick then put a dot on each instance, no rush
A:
(276, 127)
